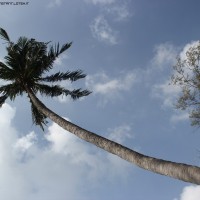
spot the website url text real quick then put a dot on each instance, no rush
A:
(13, 3)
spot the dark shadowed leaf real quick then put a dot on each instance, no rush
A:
(4, 35)
(72, 76)
(37, 117)
(2, 99)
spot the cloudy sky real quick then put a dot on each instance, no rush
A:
(127, 49)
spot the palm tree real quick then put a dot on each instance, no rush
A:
(23, 71)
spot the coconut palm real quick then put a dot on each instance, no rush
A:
(24, 70)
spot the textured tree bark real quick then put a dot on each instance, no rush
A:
(184, 172)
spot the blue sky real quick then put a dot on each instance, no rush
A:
(127, 49)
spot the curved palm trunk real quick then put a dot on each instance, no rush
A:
(184, 172)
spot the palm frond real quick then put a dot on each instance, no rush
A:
(22, 43)
(56, 50)
(27, 56)
(6, 73)
(72, 76)
(4, 35)
(53, 53)
(2, 99)
(11, 90)
(65, 47)
(37, 117)
(13, 61)
(56, 90)
(78, 93)
(48, 62)
(48, 90)
(36, 58)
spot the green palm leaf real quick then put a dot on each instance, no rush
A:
(37, 117)
(65, 47)
(2, 99)
(72, 76)
(11, 90)
(53, 53)
(4, 35)
(57, 90)
(48, 90)
(6, 73)
(77, 93)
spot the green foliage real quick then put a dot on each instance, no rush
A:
(37, 117)
(25, 66)
(2, 99)
(187, 76)
(4, 35)
(72, 76)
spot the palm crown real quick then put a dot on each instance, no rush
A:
(25, 66)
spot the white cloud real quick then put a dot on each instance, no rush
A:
(186, 48)
(7, 113)
(53, 171)
(169, 95)
(107, 85)
(104, 2)
(9, 172)
(178, 117)
(80, 153)
(102, 31)
(167, 92)
(119, 12)
(118, 9)
(165, 54)
(120, 134)
(25, 142)
(110, 88)
(60, 59)
(63, 142)
(190, 193)
(63, 98)
(54, 3)
(183, 56)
